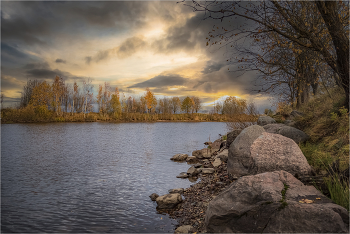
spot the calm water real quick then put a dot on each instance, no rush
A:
(93, 177)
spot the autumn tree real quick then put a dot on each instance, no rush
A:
(115, 106)
(58, 91)
(175, 104)
(151, 100)
(196, 103)
(186, 105)
(41, 95)
(318, 26)
(26, 94)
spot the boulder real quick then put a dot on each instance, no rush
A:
(239, 159)
(198, 165)
(223, 155)
(274, 202)
(263, 120)
(208, 143)
(179, 157)
(217, 162)
(207, 170)
(184, 229)
(182, 175)
(168, 201)
(295, 113)
(293, 133)
(191, 159)
(192, 171)
(231, 136)
(268, 152)
(154, 196)
(176, 190)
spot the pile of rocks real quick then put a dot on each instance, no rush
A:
(250, 185)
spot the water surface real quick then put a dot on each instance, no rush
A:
(93, 177)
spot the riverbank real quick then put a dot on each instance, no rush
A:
(197, 197)
(27, 115)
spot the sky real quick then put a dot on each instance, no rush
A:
(132, 45)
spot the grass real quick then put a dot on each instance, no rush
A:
(339, 190)
(326, 121)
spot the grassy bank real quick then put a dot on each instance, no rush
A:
(326, 121)
(43, 115)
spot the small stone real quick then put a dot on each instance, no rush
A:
(184, 229)
(154, 196)
(176, 190)
(217, 162)
(182, 175)
(207, 170)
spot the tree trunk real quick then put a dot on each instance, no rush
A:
(328, 10)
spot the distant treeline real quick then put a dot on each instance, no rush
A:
(42, 102)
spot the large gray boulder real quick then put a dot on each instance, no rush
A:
(293, 133)
(168, 201)
(268, 152)
(179, 157)
(274, 202)
(231, 136)
(239, 159)
(263, 120)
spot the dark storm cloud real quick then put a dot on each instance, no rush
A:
(60, 61)
(126, 49)
(161, 81)
(44, 71)
(130, 46)
(35, 22)
(212, 67)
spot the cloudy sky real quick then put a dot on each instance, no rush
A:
(132, 45)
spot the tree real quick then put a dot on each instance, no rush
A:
(115, 107)
(175, 104)
(319, 26)
(41, 95)
(186, 105)
(151, 100)
(196, 104)
(27, 92)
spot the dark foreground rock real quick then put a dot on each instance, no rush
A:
(293, 133)
(255, 151)
(274, 202)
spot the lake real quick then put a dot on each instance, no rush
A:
(94, 177)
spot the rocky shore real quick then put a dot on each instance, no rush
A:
(255, 181)
(197, 197)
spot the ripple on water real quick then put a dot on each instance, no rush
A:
(93, 177)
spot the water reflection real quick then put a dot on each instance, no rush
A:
(93, 177)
